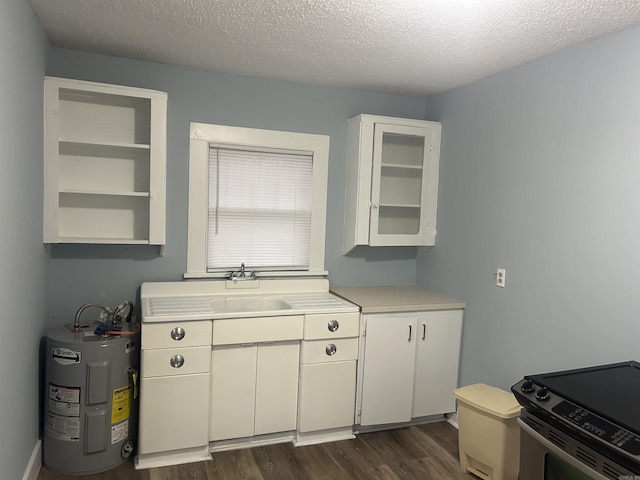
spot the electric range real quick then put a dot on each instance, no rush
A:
(598, 407)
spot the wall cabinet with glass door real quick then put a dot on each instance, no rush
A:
(392, 182)
(105, 157)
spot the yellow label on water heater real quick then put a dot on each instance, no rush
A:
(120, 404)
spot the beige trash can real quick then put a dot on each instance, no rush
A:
(488, 434)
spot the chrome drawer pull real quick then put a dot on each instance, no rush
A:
(331, 349)
(333, 325)
(177, 361)
(177, 333)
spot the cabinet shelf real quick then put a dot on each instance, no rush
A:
(99, 145)
(104, 193)
(399, 205)
(105, 161)
(401, 166)
(104, 241)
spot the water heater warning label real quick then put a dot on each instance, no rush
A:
(67, 409)
(63, 428)
(61, 393)
(119, 432)
(120, 404)
(63, 416)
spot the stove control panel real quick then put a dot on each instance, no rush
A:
(534, 398)
(597, 426)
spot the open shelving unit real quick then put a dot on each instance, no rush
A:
(105, 163)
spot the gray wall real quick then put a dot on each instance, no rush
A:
(540, 174)
(22, 256)
(111, 274)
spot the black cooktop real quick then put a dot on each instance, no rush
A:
(611, 391)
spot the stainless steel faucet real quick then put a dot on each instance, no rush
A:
(241, 274)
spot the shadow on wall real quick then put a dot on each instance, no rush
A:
(376, 254)
(101, 252)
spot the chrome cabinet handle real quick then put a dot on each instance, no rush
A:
(331, 349)
(333, 325)
(176, 361)
(424, 331)
(409, 334)
(177, 333)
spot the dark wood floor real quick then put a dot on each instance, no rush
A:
(426, 452)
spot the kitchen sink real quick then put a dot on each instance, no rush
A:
(248, 304)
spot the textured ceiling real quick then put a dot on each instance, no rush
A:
(414, 47)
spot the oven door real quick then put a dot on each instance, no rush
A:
(542, 460)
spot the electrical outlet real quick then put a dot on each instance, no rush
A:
(501, 277)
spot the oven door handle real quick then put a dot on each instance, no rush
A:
(558, 452)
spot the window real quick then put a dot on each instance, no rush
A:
(259, 209)
(256, 197)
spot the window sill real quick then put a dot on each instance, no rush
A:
(259, 275)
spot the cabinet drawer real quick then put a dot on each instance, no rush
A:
(176, 334)
(329, 350)
(329, 325)
(175, 361)
(230, 331)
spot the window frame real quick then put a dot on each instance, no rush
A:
(201, 136)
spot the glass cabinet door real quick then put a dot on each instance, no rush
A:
(400, 184)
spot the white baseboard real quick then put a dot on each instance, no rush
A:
(172, 457)
(453, 419)
(35, 463)
(323, 436)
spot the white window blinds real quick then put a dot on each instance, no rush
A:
(259, 209)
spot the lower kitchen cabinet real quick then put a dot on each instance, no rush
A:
(233, 381)
(173, 412)
(389, 359)
(328, 359)
(437, 360)
(327, 395)
(254, 389)
(410, 365)
(175, 360)
(276, 387)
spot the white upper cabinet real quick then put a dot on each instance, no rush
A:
(105, 163)
(392, 182)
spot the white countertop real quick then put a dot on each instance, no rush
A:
(180, 301)
(396, 298)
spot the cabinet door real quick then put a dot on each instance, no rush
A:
(276, 387)
(173, 413)
(389, 358)
(327, 395)
(437, 360)
(404, 185)
(233, 382)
